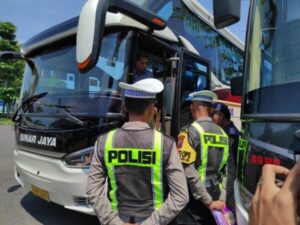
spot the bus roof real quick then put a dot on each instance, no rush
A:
(69, 28)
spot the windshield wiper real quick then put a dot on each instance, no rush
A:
(68, 114)
(26, 101)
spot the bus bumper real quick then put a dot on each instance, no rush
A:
(241, 212)
(51, 180)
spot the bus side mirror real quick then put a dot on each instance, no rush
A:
(91, 26)
(89, 31)
(4, 55)
(226, 12)
(236, 85)
(10, 55)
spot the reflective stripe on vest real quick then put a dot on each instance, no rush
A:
(135, 157)
(211, 140)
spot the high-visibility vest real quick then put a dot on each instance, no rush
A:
(138, 157)
(208, 140)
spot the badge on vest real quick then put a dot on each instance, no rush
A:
(215, 139)
(131, 157)
(186, 153)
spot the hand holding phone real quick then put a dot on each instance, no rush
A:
(273, 204)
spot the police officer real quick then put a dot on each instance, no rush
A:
(145, 179)
(203, 149)
(221, 116)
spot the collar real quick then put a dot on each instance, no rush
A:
(204, 119)
(229, 124)
(137, 125)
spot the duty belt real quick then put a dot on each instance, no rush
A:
(213, 180)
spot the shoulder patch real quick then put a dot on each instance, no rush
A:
(231, 130)
(186, 153)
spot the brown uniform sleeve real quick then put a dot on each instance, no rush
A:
(178, 196)
(189, 149)
(97, 188)
(195, 184)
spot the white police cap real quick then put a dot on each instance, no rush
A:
(146, 88)
(203, 96)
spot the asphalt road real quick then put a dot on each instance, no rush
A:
(20, 207)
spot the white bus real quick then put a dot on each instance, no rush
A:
(270, 109)
(63, 110)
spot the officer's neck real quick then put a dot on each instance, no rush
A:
(138, 118)
(201, 114)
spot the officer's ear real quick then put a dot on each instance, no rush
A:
(192, 107)
(149, 110)
(153, 109)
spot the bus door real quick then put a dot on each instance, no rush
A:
(163, 65)
(194, 74)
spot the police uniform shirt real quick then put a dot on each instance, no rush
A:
(141, 75)
(97, 191)
(189, 147)
(233, 134)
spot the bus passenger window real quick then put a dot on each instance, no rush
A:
(201, 83)
(194, 78)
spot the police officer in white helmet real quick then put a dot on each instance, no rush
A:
(146, 182)
(203, 149)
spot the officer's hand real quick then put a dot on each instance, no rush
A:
(218, 205)
(272, 204)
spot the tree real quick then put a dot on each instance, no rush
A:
(11, 71)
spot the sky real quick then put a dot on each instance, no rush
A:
(34, 16)
(239, 28)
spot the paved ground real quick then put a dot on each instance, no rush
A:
(20, 207)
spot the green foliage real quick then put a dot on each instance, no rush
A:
(6, 45)
(8, 31)
(7, 94)
(11, 71)
(5, 121)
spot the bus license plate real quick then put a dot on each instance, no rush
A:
(40, 193)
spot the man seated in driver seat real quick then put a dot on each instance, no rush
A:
(140, 71)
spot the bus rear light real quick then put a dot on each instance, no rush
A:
(260, 160)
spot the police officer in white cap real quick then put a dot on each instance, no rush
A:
(203, 149)
(146, 183)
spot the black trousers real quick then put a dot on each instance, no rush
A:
(196, 213)
(133, 220)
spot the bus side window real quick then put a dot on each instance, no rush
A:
(201, 82)
(194, 77)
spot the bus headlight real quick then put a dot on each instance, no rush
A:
(80, 159)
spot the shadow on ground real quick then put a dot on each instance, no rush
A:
(48, 213)
(13, 188)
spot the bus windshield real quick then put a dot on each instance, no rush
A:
(140, 2)
(93, 93)
(162, 8)
(272, 61)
